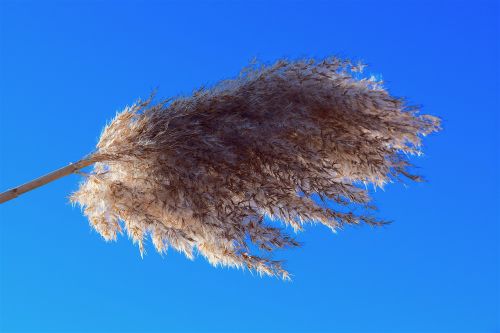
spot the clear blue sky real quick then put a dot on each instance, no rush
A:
(67, 67)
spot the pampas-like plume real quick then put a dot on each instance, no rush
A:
(201, 173)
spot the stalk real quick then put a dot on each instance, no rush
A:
(43, 180)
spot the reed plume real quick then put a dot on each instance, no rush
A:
(202, 173)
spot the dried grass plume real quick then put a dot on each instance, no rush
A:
(200, 173)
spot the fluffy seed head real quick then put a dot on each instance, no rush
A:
(209, 172)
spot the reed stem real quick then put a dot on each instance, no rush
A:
(43, 180)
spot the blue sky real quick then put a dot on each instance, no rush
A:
(67, 67)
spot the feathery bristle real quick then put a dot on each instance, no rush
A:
(200, 173)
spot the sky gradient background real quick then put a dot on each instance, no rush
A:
(67, 67)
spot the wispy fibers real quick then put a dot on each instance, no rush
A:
(200, 173)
